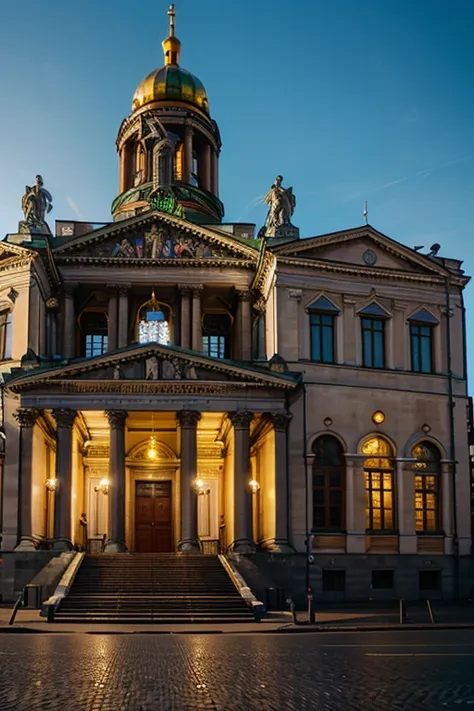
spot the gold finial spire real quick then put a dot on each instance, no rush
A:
(171, 45)
(172, 15)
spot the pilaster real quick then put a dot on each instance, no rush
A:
(69, 336)
(116, 495)
(242, 542)
(185, 292)
(196, 341)
(123, 315)
(280, 422)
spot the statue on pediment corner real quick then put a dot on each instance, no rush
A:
(36, 203)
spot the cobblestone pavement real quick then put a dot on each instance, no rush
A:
(324, 672)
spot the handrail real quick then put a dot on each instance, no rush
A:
(15, 608)
(258, 608)
(63, 588)
(430, 611)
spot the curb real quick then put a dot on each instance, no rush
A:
(303, 629)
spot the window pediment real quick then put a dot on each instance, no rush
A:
(424, 316)
(322, 303)
(374, 309)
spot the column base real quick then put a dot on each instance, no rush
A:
(115, 546)
(26, 544)
(62, 544)
(277, 546)
(243, 545)
(189, 546)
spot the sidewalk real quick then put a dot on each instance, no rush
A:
(29, 621)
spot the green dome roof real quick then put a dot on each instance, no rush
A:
(171, 83)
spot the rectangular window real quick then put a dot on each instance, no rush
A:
(5, 335)
(214, 346)
(379, 501)
(322, 337)
(426, 503)
(334, 580)
(373, 342)
(429, 579)
(96, 344)
(328, 499)
(421, 337)
(382, 580)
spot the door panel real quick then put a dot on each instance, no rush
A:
(153, 517)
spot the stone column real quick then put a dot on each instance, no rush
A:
(355, 542)
(188, 154)
(243, 325)
(205, 167)
(405, 498)
(188, 420)
(69, 335)
(112, 320)
(447, 505)
(52, 306)
(280, 425)
(214, 172)
(116, 541)
(26, 417)
(242, 542)
(185, 292)
(123, 316)
(62, 510)
(196, 343)
(260, 348)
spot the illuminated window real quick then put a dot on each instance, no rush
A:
(322, 319)
(427, 474)
(216, 329)
(94, 328)
(328, 484)
(378, 473)
(153, 322)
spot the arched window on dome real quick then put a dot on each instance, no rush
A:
(153, 322)
(93, 329)
(139, 175)
(328, 484)
(194, 177)
(379, 494)
(427, 477)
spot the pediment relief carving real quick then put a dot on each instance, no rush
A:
(140, 450)
(156, 238)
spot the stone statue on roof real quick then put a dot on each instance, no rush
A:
(36, 203)
(281, 206)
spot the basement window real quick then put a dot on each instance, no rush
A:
(382, 580)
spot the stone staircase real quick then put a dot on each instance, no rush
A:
(153, 588)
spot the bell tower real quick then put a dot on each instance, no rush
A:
(169, 146)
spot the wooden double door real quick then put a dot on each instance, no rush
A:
(153, 517)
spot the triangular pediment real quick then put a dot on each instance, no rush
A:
(152, 362)
(12, 254)
(362, 248)
(156, 236)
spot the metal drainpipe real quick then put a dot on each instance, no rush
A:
(305, 454)
(452, 443)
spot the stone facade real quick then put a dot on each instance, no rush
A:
(302, 403)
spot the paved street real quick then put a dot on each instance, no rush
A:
(342, 671)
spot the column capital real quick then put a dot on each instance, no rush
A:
(241, 418)
(196, 289)
(112, 286)
(27, 416)
(244, 294)
(280, 420)
(64, 417)
(52, 304)
(69, 290)
(188, 418)
(185, 289)
(295, 294)
(116, 418)
(124, 289)
(260, 305)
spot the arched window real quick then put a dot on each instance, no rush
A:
(153, 322)
(378, 474)
(427, 476)
(93, 326)
(328, 484)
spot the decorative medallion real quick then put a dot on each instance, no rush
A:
(369, 257)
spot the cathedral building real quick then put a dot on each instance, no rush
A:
(172, 382)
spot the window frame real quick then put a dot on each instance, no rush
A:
(320, 309)
(326, 471)
(419, 337)
(424, 491)
(86, 333)
(223, 337)
(6, 324)
(372, 320)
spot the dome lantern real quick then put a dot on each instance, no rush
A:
(171, 45)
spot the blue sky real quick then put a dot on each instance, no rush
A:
(347, 99)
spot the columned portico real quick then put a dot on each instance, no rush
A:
(26, 417)
(116, 542)
(62, 513)
(242, 542)
(188, 420)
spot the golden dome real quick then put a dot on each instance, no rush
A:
(171, 82)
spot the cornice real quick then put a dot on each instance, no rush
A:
(148, 387)
(142, 262)
(367, 272)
